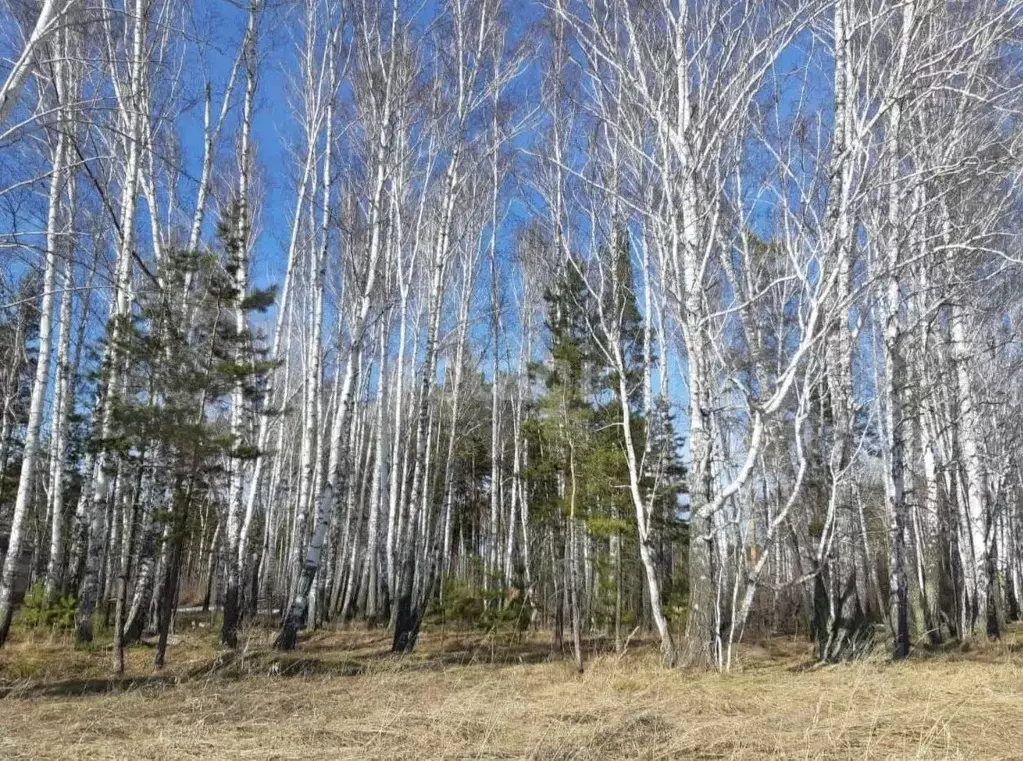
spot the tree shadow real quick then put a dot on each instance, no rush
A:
(321, 654)
(85, 687)
(458, 650)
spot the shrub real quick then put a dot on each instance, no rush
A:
(59, 614)
(468, 606)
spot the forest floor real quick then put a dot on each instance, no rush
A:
(469, 695)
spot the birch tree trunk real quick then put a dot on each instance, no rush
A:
(63, 400)
(129, 104)
(895, 362)
(47, 23)
(236, 543)
(30, 455)
(288, 637)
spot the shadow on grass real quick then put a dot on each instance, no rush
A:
(227, 666)
(83, 687)
(238, 665)
(328, 654)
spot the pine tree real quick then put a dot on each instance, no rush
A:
(580, 464)
(183, 359)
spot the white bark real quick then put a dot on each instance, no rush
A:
(47, 22)
(62, 405)
(130, 103)
(30, 455)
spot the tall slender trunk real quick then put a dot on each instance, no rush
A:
(408, 615)
(236, 543)
(30, 455)
(110, 385)
(372, 561)
(397, 441)
(123, 564)
(895, 363)
(462, 330)
(980, 581)
(63, 400)
(47, 22)
(331, 489)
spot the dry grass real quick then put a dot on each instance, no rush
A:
(461, 696)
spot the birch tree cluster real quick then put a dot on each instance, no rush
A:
(669, 319)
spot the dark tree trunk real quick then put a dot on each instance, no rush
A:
(407, 621)
(168, 598)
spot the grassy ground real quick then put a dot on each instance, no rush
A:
(470, 696)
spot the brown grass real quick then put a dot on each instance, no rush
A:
(463, 696)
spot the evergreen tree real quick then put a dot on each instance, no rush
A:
(171, 434)
(579, 467)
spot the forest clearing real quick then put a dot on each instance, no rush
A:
(470, 695)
